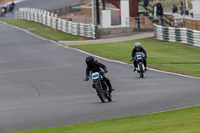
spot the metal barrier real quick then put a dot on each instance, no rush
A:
(51, 20)
(182, 35)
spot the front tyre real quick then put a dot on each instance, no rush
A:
(100, 92)
(101, 96)
(141, 71)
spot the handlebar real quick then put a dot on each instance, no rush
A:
(101, 73)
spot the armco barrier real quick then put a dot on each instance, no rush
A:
(182, 35)
(51, 20)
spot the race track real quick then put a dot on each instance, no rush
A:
(40, 4)
(41, 85)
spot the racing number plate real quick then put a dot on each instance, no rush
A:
(95, 75)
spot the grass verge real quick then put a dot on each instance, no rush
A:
(177, 121)
(167, 56)
(44, 31)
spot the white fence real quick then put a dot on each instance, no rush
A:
(51, 20)
(182, 35)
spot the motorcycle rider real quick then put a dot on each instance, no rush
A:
(11, 7)
(95, 66)
(5, 8)
(3, 11)
(138, 48)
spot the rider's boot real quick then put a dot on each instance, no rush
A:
(110, 88)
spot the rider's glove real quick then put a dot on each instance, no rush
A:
(86, 78)
(145, 57)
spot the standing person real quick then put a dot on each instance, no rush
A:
(159, 13)
(181, 7)
(174, 9)
(146, 3)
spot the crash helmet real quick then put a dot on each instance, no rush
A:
(137, 45)
(89, 60)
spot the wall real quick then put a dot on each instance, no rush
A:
(124, 13)
(145, 23)
(115, 18)
(133, 6)
(196, 9)
(192, 24)
(62, 11)
(106, 18)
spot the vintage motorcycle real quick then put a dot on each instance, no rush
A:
(2, 12)
(101, 87)
(140, 64)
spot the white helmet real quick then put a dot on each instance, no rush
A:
(137, 44)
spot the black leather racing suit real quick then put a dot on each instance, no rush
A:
(96, 67)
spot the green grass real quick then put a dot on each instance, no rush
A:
(173, 57)
(178, 121)
(44, 31)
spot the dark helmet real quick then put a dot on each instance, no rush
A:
(89, 60)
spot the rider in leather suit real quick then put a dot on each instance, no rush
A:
(95, 66)
(138, 48)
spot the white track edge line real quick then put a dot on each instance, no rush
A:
(120, 62)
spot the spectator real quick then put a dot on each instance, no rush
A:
(174, 9)
(159, 13)
(181, 7)
(146, 3)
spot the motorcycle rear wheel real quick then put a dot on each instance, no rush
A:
(109, 98)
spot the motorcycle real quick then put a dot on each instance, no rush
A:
(101, 87)
(140, 64)
(3, 12)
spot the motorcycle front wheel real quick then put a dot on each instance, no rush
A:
(141, 71)
(100, 92)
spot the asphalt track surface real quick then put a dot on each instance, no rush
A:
(41, 85)
(40, 4)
